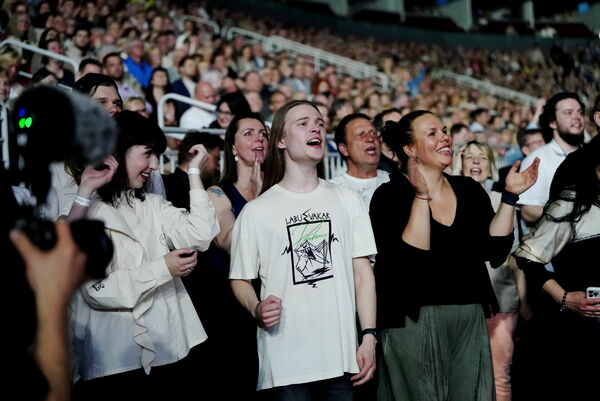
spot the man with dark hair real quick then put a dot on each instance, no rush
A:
(88, 65)
(359, 143)
(177, 183)
(562, 125)
(113, 67)
(460, 135)
(80, 48)
(479, 119)
(186, 85)
(528, 139)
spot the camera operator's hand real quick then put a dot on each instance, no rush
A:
(53, 276)
(180, 263)
(92, 178)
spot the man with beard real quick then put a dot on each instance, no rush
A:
(359, 143)
(562, 124)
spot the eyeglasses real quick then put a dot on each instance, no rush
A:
(372, 133)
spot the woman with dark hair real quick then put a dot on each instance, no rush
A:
(229, 106)
(565, 329)
(159, 85)
(433, 287)
(130, 329)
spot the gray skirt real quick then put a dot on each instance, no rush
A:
(445, 356)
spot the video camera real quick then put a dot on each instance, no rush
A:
(49, 125)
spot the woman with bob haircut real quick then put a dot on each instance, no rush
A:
(131, 330)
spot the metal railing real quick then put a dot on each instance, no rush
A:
(207, 22)
(319, 57)
(485, 86)
(4, 128)
(43, 52)
(183, 99)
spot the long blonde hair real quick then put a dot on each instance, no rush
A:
(275, 163)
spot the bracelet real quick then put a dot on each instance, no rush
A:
(371, 331)
(193, 170)
(509, 198)
(81, 201)
(427, 198)
(563, 303)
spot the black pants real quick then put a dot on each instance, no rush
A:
(182, 380)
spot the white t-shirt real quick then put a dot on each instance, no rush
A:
(365, 187)
(551, 156)
(301, 245)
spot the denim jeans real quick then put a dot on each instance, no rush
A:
(336, 389)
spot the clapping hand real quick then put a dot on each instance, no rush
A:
(416, 178)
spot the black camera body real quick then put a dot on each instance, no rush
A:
(49, 125)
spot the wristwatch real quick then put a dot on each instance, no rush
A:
(370, 331)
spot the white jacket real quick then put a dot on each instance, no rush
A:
(139, 316)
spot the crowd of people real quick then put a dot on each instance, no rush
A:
(246, 273)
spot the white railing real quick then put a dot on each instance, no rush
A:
(180, 98)
(4, 128)
(485, 86)
(207, 22)
(319, 57)
(43, 52)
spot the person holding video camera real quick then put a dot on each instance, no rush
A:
(130, 329)
(563, 343)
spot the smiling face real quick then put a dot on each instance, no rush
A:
(224, 115)
(250, 142)
(476, 164)
(140, 161)
(362, 145)
(304, 135)
(432, 145)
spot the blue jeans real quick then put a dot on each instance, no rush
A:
(336, 389)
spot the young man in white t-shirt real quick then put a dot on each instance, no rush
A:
(309, 241)
(359, 143)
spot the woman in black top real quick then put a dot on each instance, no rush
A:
(563, 340)
(435, 233)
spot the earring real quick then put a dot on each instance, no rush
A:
(237, 159)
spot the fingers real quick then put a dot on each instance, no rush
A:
(515, 166)
(23, 244)
(269, 311)
(367, 371)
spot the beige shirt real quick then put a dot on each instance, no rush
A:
(139, 316)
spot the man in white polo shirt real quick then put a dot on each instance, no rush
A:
(563, 121)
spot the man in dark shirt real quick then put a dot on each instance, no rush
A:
(177, 184)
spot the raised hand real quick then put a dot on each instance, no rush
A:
(92, 178)
(200, 155)
(416, 178)
(181, 262)
(256, 178)
(516, 182)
